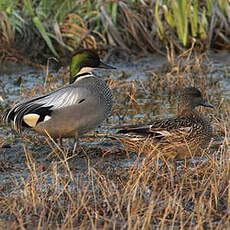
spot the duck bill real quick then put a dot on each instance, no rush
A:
(105, 66)
(205, 104)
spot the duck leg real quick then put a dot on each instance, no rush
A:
(76, 144)
(60, 141)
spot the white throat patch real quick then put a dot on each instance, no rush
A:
(85, 70)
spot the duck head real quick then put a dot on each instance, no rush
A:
(190, 98)
(85, 60)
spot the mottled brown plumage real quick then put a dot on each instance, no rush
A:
(183, 136)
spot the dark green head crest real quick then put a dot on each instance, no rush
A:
(85, 58)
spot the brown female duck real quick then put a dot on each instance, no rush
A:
(180, 137)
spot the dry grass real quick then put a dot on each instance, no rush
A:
(146, 195)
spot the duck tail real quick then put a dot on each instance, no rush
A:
(17, 113)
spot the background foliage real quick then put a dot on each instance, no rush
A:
(42, 28)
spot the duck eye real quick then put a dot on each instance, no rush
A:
(197, 94)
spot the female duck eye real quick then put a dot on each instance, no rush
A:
(197, 94)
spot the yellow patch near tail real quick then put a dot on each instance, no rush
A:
(31, 119)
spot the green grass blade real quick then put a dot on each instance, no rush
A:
(44, 34)
(28, 6)
(202, 28)
(178, 17)
(160, 29)
(61, 42)
(209, 7)
(194, 18)
(223, 6)
(63, 10)
(168, 16)
(180, 13)
(114, 12)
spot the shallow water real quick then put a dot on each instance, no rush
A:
(18, 82)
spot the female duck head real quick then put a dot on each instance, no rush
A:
(190, 98)
(85, 60)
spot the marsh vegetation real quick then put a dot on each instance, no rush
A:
(105, 186)
(35, 30)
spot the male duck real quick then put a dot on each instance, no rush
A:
(71, 110)
(180, 137)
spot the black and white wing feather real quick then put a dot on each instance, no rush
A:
(43, 106)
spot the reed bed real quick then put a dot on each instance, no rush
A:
(35, 30)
